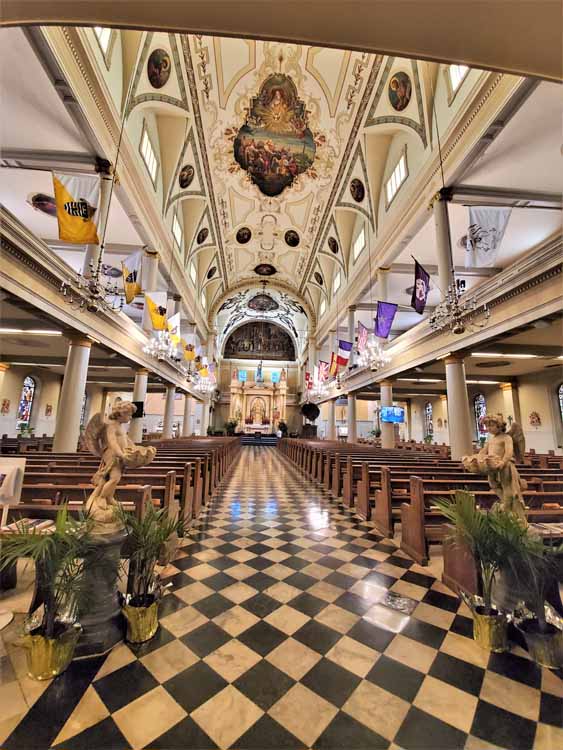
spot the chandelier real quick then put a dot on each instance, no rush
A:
(161, 347)
(319, 390)
(458, 316)
(204, 385)
(91, 293)
(374, 355)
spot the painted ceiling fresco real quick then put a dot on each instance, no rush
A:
(272, 145)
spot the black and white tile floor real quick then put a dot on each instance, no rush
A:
(291, 624)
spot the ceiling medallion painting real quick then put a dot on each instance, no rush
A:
(243, 235)
(275, 144)
(292, 238)
(260, 340)
(202, 235)
(333, 245)
(158, 68)
(318, 278)
(263, 303)
(265, 269)
(400, 91)
(211, 273)
(186, 176)
(357, 190)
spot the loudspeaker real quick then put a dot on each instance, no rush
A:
(140, 409)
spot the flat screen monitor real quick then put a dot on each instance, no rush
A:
(392, 414)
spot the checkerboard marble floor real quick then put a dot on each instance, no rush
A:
(291, 624)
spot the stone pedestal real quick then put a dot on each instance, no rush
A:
(102, 621)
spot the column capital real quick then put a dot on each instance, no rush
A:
(443, 397)
(454, 359)
(151, 252)
(142, 371)
(506, 386)
(387, 382)
(4, 366)
(79, 339)
(177, 297)
(383, 269)
(352, 308)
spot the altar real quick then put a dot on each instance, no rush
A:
(258, 406)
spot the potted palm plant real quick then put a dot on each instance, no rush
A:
(533, 565)
(489, 536)
(146, 537)
(62, 588)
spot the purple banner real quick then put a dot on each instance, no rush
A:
(421, 288)
(384, 319)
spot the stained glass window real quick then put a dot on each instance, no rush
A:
(26, 404)
(428, 426)
(479, 411)
(560, 394)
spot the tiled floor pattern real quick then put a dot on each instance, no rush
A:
(277, 634)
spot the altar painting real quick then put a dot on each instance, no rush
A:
(260, 340)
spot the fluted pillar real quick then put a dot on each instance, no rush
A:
(351, 418)
(149, 275)
(92, 253)
(139, 394)
(67, 430)
(168, 411)
(332, 419)
(186, 432)
(459, 418)
(387, 428)
(443, 242)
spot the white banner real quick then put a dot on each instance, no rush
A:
(484, 235)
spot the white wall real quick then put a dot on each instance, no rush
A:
(48, 387)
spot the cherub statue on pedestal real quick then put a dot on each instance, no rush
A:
(496, 460)
(108, 440)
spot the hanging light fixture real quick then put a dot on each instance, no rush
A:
(374, 355)
(161, 347)
(458, 316)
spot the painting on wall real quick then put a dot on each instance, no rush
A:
(263, 303)
(186, 176)
(357, 190)
(400, 91)
(158, 68)
(5, 407)
(275, 144)
(534, 419)
(260, 340)
(48, 410)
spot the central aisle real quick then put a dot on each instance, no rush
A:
(284, 629)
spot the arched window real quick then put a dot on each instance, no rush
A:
(560, 395)
(479, 411)
(428, 426)
(26, 404)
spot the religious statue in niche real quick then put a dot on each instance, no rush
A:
(158, 68)
(496, 460)
(108, 440)
(260, 340)
(275, 144)
(400, 91)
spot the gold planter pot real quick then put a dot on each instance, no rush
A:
(142, 622)
(490, 631)
(49, 657)
(545, 649)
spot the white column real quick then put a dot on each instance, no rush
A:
(443, 244)
(149, 278)
(387, 428)
(204, 417)
(332, 419)
(382, 290)
(174, 305)
(352, 332)
(186, 431)
(351, 418)
(168, 411)
(67, 430)
(459, 419)
(139, 394)
(312, 355)
(510, 402)
(93, 251)
(332, 344)
(445, 418)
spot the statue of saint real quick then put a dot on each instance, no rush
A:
(109, 440)
(519, 442)
(496, 460)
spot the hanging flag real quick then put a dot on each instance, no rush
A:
(384, 319)
(131, 269)
(77, 197)
(344, 349)
(308, 381)
(323, 371)
(189, 351)
(484, 235)
(421, 288)
(173, 325)
(198, 363)
(363, 332)
(156, 302)
(203, 372)
(333, 369)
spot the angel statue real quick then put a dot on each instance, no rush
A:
(496, 460)
(518, 441)
(108, 440)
